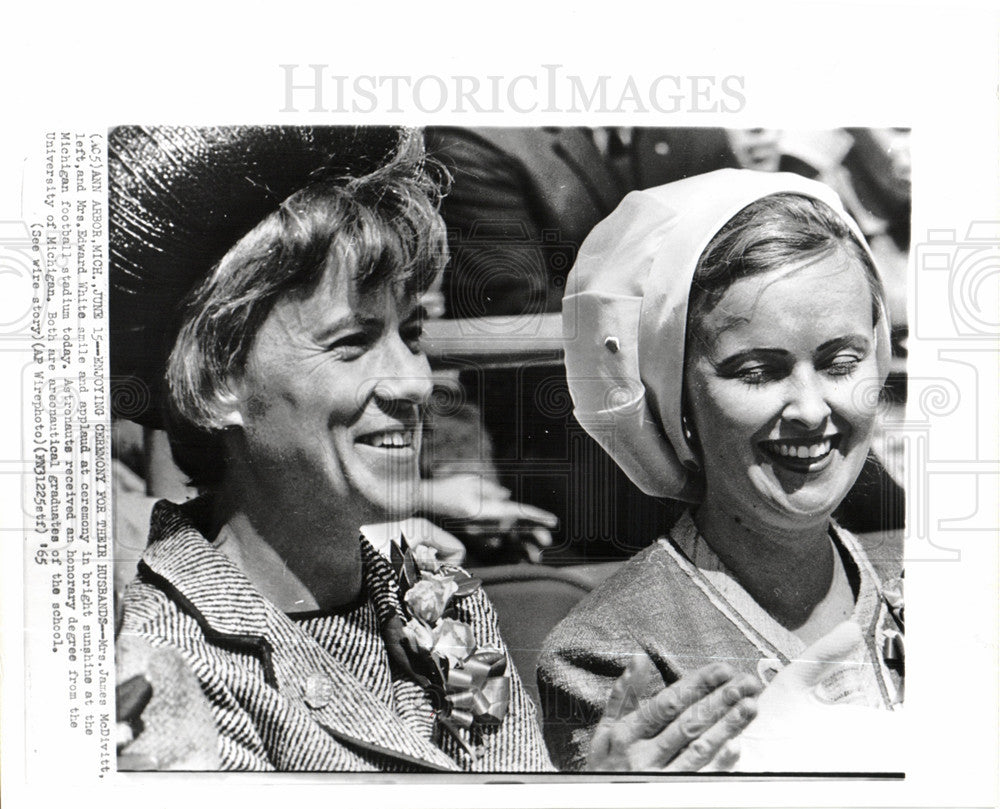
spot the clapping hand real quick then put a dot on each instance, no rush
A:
(690, 725)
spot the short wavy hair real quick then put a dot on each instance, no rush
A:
(775, 231)
(383, 228)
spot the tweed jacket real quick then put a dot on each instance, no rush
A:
(310, 694)
(685, 612)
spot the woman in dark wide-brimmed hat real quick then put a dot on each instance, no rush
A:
(295, 385)
(727, 337)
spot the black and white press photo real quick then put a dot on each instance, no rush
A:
(502, 450)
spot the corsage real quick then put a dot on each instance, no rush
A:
(467, 683)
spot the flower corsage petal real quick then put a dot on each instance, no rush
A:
(425, 558)
(419, 636)
(428, 598)
(453, 640)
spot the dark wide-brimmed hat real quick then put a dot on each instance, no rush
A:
(179, 199)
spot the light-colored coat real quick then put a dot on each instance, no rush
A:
(661, 604)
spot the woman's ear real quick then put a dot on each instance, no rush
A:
(694, 445)
(228, 406)
(688, 427)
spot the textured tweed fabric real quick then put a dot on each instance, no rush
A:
(314, 693)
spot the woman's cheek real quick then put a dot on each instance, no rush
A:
(743, 407)
(725, 423)
(858, 406)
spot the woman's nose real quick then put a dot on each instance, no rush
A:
(405, 376)
(807, 405)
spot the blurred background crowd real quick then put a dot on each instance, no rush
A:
(508, 472)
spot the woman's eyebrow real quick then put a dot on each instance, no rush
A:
(327, 330)
(859, 340)
(749, 354)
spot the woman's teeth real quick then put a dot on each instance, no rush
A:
(390, 439)
(817, 450)
(802, 453)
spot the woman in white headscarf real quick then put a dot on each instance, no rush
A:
(726, 340)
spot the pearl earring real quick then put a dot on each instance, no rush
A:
(686, 427)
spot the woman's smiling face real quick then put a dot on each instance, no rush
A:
(332, 398)
(778, 378)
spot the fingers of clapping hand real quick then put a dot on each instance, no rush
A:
(662, 710)
(450, 549)
(460, 496)
(474, 497)
(687, 726)
(726, 759)
(542, 537)
(624, 693)
(529, 513)
(611, 747)
(721, 706)
(508, 512)
(489, 489)
(713, 745)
